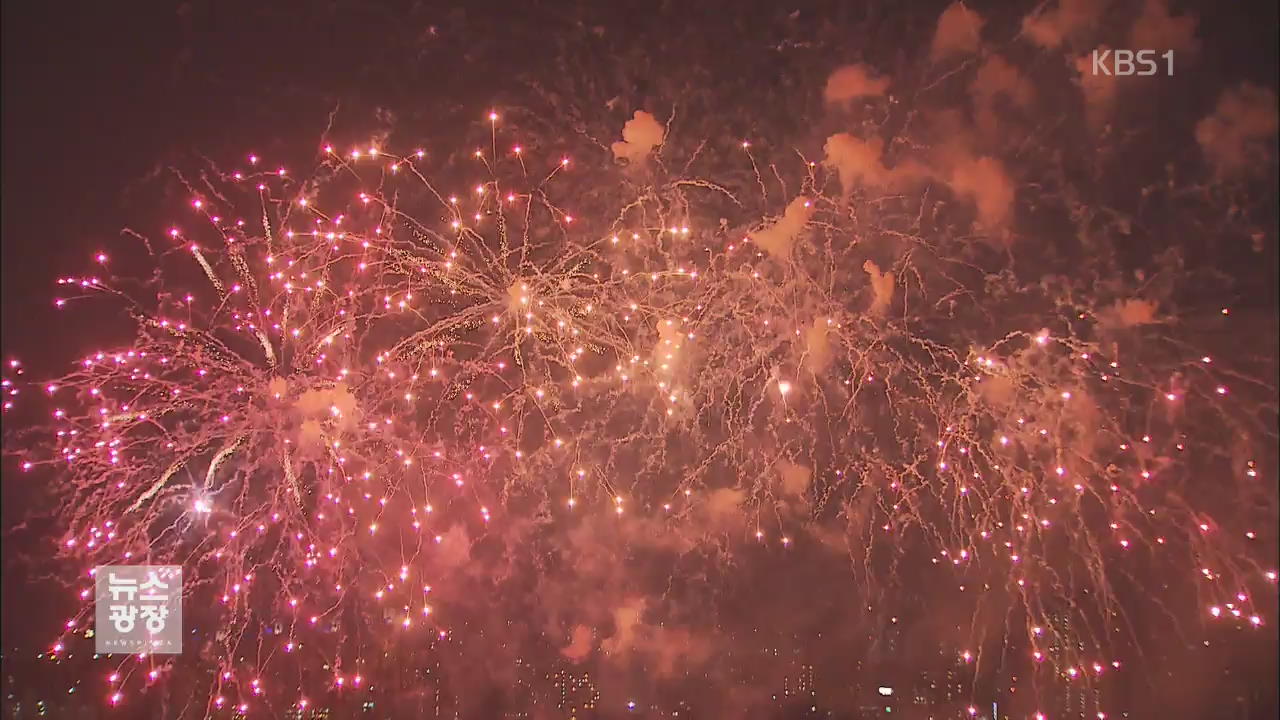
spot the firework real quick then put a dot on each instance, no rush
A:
(345, 382)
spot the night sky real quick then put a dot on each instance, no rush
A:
(782, 563)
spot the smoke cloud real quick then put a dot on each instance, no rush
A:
(1242, 128)
(854, 81)
(640, 135)
(958, 32)
(778, 238)
(1051, 28)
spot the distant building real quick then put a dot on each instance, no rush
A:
(309, 713)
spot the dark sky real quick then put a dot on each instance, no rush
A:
(98, 97)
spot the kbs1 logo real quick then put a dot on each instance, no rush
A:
(1131, 62)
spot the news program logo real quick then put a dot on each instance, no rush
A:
(138, 609)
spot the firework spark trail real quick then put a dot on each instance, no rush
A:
(383, 366)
